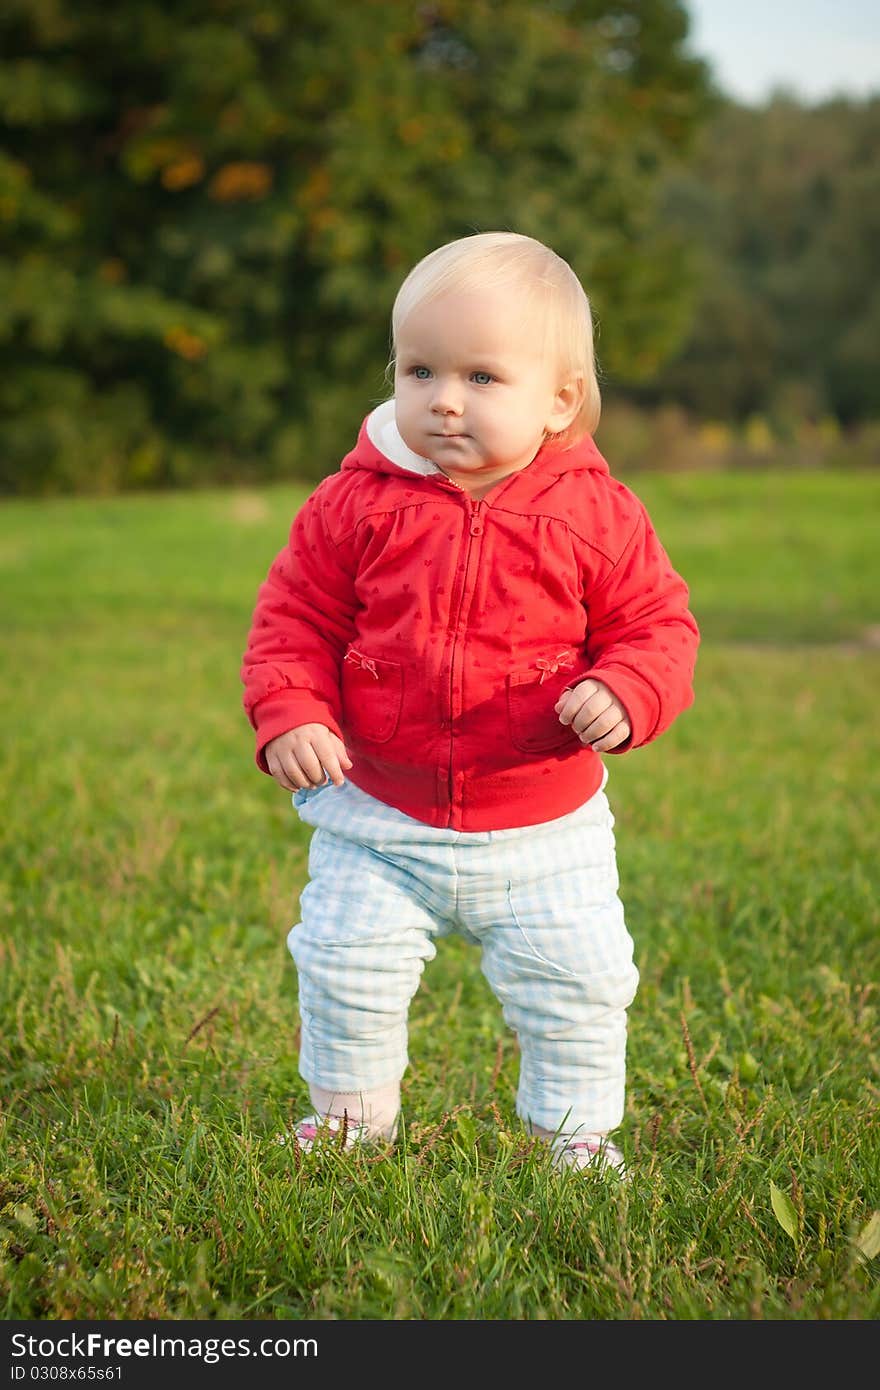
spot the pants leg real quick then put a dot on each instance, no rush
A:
(359, 950)
(558, 956)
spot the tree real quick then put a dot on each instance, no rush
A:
(784, 203)
(207, 209)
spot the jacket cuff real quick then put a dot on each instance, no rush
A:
(280, 713)
(640, 700)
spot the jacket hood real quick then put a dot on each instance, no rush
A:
(381, 449)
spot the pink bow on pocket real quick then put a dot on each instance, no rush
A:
(549, 668)
(364, 662)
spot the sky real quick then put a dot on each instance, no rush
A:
(815, 48)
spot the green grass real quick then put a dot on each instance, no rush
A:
(149, 874)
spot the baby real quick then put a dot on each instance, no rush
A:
(468, 613)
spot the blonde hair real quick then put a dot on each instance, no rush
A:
(544, 283)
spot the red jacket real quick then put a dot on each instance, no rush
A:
(434, 633)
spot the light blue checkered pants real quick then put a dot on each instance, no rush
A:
(540, 900)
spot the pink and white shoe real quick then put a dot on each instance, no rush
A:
(593, 1151)
(337, 1130)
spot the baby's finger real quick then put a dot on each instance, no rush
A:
(595, 719)
(619, 734)
(310, 766)
(571, 701)
(334, 771)
(280, 774)
(342, 752)
(332, 752)
(568, 705)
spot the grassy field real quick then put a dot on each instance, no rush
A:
(149, 875)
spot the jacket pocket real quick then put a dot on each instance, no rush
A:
(372, 694)
(531, 695)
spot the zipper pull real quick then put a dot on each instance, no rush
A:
(476, 523)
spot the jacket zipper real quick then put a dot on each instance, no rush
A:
(475, 529)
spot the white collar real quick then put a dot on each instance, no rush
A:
(383, 433)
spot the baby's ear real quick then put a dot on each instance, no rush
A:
(566, 405)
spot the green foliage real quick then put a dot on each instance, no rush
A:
(784, 1211)
(207, 209)
(784, 204)
(148, 1006)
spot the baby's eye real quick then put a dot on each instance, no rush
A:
(482, 378)
(421, 373)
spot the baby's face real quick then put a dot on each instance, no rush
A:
(473, 390)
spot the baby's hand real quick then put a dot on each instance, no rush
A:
(306, 757)
(596, 716)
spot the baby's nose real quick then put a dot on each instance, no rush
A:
(447, 399)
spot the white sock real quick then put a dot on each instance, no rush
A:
(562, 1135)
(377, 1109)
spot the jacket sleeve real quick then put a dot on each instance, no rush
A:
(302, 623)
(642, 639)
